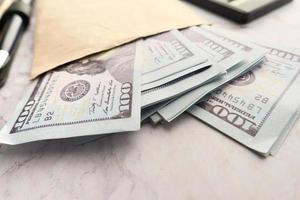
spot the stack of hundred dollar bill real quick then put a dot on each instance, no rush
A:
(243, 89)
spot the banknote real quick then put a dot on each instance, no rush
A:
(168, 56)
(155, 118)
(253, 56)
(148, 111)
(217, 52)
(258, 108)
(96, 95)
(179, 86)
(286, 130)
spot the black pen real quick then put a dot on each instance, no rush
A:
(13, 24)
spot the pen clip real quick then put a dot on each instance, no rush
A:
(16, 8)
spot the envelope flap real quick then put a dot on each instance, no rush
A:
(69, 30)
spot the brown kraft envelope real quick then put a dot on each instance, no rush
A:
(67, 30)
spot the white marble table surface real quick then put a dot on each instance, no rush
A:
(184, 160)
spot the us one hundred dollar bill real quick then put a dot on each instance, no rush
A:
(96, 95)
(259, 108)
(181, 85)
(148, 111)
(253, 56)
(168, 56)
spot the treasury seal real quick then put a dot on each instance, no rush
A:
(243, 80)
(75, 90)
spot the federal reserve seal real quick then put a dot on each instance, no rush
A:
(75, 90)
(243, 80)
